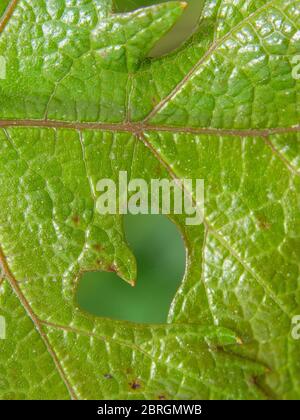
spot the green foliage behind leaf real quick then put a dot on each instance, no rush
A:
(129, 5)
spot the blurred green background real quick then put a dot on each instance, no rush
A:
(160, 253)
(127, 5)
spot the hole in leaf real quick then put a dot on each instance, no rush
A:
(160, 254)
(183, 29)
(121, 6)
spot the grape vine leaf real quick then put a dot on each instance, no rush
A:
(81, 101)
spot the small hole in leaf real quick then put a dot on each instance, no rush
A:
(160, 253)
(121, 6)
(181, 31)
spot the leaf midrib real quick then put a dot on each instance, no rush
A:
(140, 128)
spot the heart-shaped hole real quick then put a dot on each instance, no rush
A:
(160, 253)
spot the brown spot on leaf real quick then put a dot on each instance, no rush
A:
(76, 219)
(135, 385)
(162, 397)
(97, 247)
(255, 380)
(154, 100)
(263, 224)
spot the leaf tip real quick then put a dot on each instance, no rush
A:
(183, 4)
(132, 283)
(239, 341)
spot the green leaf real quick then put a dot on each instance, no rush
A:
(82, 102)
